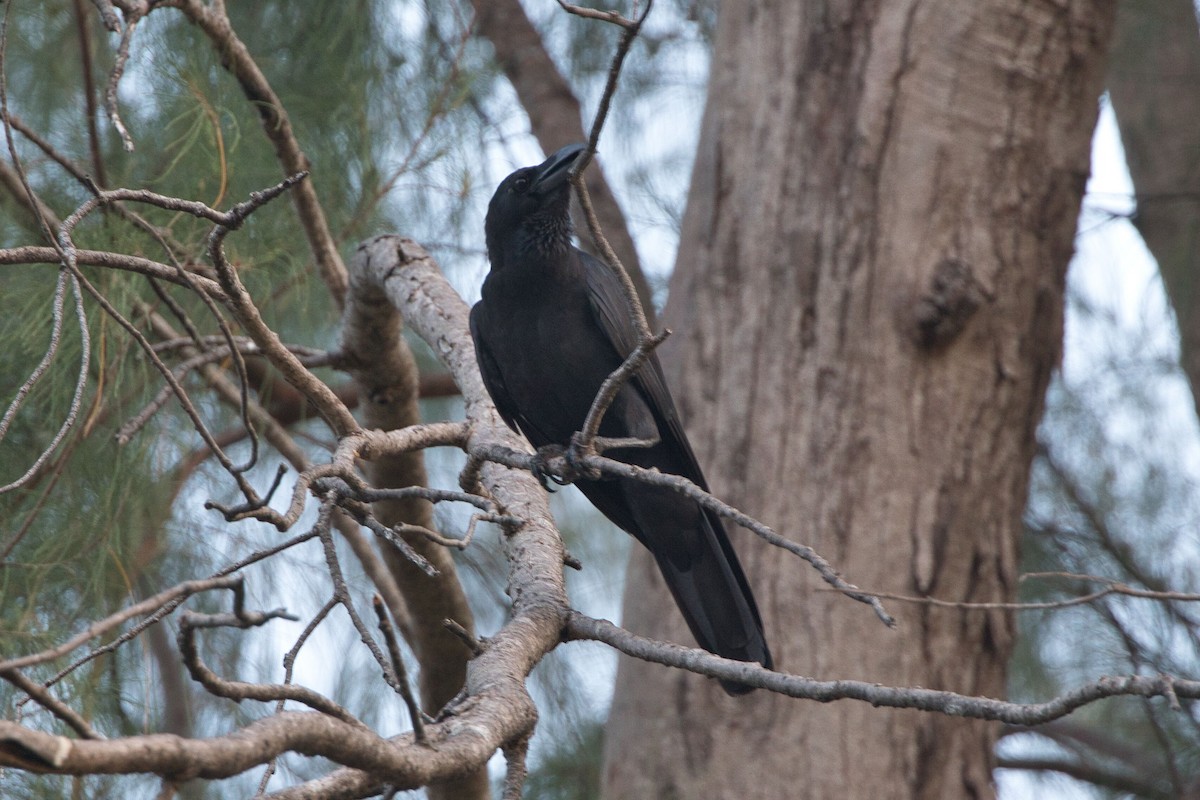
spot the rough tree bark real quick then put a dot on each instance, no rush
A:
(1152, 79)
(385, 372)
(868, 306)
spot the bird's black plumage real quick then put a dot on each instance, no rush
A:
(551, 326)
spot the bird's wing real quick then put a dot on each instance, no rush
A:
(608, 305)
(493, 380)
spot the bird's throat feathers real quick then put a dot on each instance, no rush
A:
(539, 239)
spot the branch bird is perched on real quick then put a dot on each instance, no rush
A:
(551, 326)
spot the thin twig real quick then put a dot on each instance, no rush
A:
(335, 413)
(631, 27)
(646, 341)
(43, 698)
(211, 18)
(289, 658)
(240, 690)
(607, 466)
(150, 604)
(1111, 587)
(584, 441)
(185, 401)
(43, 365)
(342, 594)
(109, 15)
(85, 359)
(931, 700)
(101, 258)
(127, 431)
(83, 30)
(393, 647)
(613, 17)
(68, 264)
(465, 636)
(132, 18)
(157, 607)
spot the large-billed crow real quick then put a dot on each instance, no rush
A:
(551, 326)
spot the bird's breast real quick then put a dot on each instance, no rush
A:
(551, 352)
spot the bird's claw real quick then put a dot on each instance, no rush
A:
(541, 467)
(570, 465)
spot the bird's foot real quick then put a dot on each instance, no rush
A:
(541, 466)
(563, 466)
(577, 455)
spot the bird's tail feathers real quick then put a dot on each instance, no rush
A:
(715, 599)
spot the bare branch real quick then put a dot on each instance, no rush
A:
(43, 365)
(181, 394)
(1093, 774)
(68, 264)
(339, 418)
(554, 113)
(393, 646)
(40, 695)
(473, 644)
(109, 15)
(516, 771)
(1111, 587)
(342, 595)
(931, 700)
(613, 17)
(132, 18)
(583, 443)
(180, 371)
(258, 742)
(42, 144)
(85, 359)
(150, 604)
(239, 690)
(628, 34)
(607, 466)
(101, 258)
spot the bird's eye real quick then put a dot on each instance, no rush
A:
(521, 184)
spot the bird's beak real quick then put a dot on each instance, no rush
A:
(552, 173)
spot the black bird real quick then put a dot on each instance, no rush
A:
(551, 326)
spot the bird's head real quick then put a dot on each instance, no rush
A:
(530, 210)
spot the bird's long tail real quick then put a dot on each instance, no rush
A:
(698, 563)
(715, 598)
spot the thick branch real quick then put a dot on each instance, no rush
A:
(383, 367)
(399, 761)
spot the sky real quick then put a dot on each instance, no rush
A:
(1117, 313)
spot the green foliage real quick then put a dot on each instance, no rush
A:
(570, 770)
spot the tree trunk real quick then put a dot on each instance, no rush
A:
(868, 305)
(1152, 80)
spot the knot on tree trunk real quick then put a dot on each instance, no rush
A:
(940, 313)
